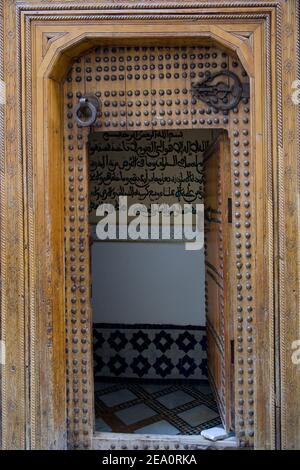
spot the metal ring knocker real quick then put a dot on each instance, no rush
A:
(86, 110)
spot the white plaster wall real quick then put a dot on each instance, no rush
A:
(151, 282)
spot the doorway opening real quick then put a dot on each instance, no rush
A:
(154, 116)
(159, 305)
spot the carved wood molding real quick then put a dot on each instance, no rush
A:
(15, 174)
(227, 17)
(49, 38)
(3, 215)
(175, 5)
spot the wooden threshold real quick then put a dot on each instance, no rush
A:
(122, 441)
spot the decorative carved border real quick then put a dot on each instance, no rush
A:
(163, 16)
(30, 7)
(3, 310)
(34, 384)
(289, 215)
(270, 217)
(12, 250)
(265, 17)
(198, 4)
(298, 134)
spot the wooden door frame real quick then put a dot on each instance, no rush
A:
(219, 275)
(40, 41)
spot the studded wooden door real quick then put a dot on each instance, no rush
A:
(217, 275)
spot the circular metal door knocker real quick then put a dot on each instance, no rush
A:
(86, 110)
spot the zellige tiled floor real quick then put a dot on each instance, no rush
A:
(154, 408)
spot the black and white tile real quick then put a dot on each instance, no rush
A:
(150, 351)
(150, 408)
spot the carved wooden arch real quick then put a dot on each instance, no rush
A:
(72, 44)
(40, 408)
(49, 75)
